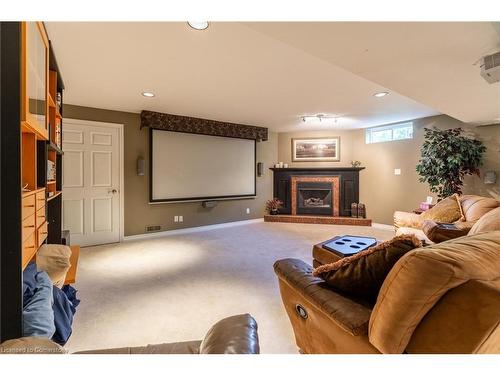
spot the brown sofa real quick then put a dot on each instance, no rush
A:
(443, 298)
(473, 207)
(234, 335)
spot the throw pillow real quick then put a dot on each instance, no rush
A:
(446, 211)
(55, 260)
(362, 275)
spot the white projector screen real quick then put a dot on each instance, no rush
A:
(194, 167)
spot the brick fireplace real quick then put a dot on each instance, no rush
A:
(315, 195)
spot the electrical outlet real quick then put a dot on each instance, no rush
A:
(397, 171)
(176, 219)
(181, 219)
(248, 210)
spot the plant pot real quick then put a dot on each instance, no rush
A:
(274, 211)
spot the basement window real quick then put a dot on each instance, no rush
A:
(389, 133)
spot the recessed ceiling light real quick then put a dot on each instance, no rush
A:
(198, 25)
(380, 94)
(148, 94)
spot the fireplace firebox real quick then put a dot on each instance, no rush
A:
(314, 198)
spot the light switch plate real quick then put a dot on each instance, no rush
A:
(248, 210)
(176, 219)
(181, 219)
(397, 171)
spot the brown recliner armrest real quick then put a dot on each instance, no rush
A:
(407, 219)
(234, 335)
(436, 232)
(351, 316)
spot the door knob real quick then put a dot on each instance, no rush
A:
(113, 191)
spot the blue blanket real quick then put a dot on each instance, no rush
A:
(63, 316)
(47, 310)
(65, 303)
(38, 316)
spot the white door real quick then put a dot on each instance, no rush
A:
(91, 182)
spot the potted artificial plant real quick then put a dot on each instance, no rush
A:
(447, 156)
(273, 206)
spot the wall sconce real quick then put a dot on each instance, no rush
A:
(141, 166)
(490, 177)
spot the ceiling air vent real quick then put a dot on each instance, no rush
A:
(153, 228)
(490, 68)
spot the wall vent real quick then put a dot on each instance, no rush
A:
(153, 228)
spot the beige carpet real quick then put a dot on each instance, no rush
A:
(174, 287)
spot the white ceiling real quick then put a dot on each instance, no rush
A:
(271, 74)
(433, 63)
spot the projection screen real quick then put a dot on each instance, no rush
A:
(193, 167)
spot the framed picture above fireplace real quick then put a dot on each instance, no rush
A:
(316, 149)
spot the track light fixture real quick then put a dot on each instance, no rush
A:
(319, 118)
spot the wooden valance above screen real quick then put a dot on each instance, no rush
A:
(185, 124)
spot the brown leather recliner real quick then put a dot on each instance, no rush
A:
(473, 208)
(234, 335)
(443, 298)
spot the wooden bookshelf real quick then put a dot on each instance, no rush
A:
(34, 128)
(41, 145)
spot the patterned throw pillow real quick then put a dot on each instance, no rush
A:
(448, 210)
(363, 274)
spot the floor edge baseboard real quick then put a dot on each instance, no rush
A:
(202, 228)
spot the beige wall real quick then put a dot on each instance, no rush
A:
(346, 149)
(139, 213)
(490, 135)
(381, 190)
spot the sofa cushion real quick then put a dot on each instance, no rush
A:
(475, 206)
(362, 274)
(446, 211)
(54, 259)
(487, 223)
(419, 233)
(421, 278)
(407, 220)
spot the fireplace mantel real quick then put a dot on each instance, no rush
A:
(348, 185)
(314, 169)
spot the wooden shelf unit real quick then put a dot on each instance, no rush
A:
(34, 79)
(41, 146)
